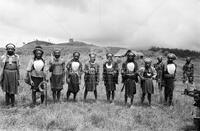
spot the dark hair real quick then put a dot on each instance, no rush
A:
(10, 44)
(75, 53)
(38, 48)
(109, 54)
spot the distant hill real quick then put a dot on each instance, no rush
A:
(178, 52)
(84, 48)
(37, 42)
(44, 43)
(67, 48)
(75, 43)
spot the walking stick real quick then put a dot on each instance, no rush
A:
(45, 93)
(123, 87)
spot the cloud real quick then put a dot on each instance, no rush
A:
(127, 23)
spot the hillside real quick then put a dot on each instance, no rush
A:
(178, 52)
(67, 48)
(74, 43)
(36, 43)
(100, 115)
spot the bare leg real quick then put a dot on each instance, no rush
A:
(75, 96)
(166, 91)
(34, 97)
(149, 99)
(12, 96)
(95, 94)
(160, 87)
(132, 100)
(58, 95)
(170, 96)
(113, 96)
(42, 98)
(125, 98)
(142, 98)
(68, 94)
(7, 97)
(108, 95)
(54, 96)
(85, 94)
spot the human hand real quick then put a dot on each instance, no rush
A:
(68, 80)
(32, 83)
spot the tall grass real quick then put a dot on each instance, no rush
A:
(94, 116)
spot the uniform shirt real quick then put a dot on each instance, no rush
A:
(147, 73)
(10, 62)
(159, 68)
(166, 72)
(110, 69)
(129, 68)
(92, 69)
(125, 68)
(188, 69)
(76, 69)
(57, 66)
(34, 73)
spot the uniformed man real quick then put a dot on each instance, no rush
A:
(110, 76)
(73, 75)
(10, 74)
(37, 73)
(188, 70)
(129, 76)
(57, 69)
(159, 78)
(147, 74)
(91, 76)
(169, 74)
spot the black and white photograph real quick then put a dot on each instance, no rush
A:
(100, 65)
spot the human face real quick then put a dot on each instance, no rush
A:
(57, 54)
(38, 54)
(109, 58)
(92, 58)
(190, 79)
(76, 56)
(147, 65)
(159, 59)
(170, 60)
(188, 60)
(10, 51)
(130, 58)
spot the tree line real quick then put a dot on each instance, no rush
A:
(181, 53)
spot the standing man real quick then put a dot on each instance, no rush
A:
(37, 73)
(10, 74)
(73, 75)
(147, 74)
(159, 78)
(57, 69)
(91, 76)
(129, 76)
(169, 73)
(110, 76)
(188, 70)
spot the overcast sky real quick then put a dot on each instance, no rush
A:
(126, 23)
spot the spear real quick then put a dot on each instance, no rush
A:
(122, 88)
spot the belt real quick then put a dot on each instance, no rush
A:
(10, 69)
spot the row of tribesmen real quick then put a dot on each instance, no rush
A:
(163, 73)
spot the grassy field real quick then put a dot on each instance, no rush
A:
(96, 116)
